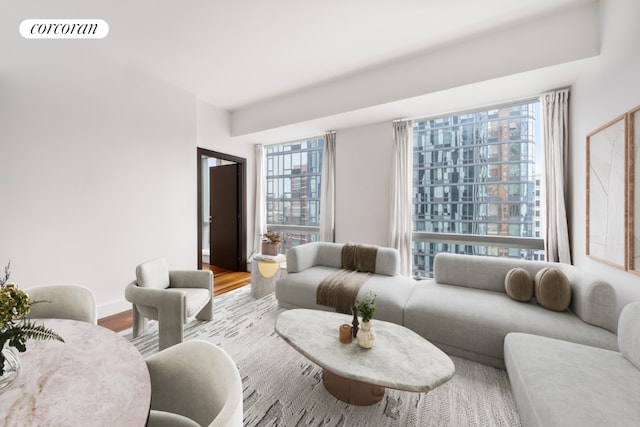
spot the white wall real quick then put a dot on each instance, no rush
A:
(97, 173)
(603, 92)
(363, 171)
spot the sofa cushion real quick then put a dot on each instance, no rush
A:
(153, 274)
(629, 333)
(467, 322)
(195, 299)
(519, 284)
(552, 289)
(559, 383)
(480, 272)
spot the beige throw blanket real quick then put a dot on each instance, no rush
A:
(340, 289)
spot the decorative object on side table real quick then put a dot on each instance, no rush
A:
(270, 241)
(344, 333)
(16, 329)
(367, 308)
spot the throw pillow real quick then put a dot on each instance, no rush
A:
(552, 289)
(519, 284)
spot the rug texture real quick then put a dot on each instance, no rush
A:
(283, 388)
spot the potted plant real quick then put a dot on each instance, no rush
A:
(270, 241)
(16, 329)
(366, 309)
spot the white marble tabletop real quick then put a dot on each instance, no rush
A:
(95, 378)
(399, 359)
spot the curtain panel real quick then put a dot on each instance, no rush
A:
(328, 190)
(260, 224)
(401, 194)
(555, 129)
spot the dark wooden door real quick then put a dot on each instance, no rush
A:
(224, 236)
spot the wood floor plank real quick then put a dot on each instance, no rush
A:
(223, 281)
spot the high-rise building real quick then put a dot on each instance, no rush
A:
(294, 174)
(474, 175)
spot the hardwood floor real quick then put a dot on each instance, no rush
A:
(223, 281)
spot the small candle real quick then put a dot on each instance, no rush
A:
(345, 334)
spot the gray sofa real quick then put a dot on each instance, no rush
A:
(309, 264)
(563, 384)
(466, 311)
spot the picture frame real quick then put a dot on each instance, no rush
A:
(607, 193)
(633, 226)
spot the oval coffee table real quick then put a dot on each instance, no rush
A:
(400, 358)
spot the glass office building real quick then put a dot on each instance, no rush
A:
(474, 174)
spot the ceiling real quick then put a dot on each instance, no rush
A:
(237, 53)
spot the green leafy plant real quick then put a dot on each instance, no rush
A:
(15, 328)
(367, 306)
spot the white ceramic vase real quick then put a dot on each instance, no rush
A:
(366, 337)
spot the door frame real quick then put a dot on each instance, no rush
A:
(242, 204)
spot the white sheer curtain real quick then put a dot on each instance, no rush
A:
(401, 193)
(260, 223)
(328, 191)
(555, 130)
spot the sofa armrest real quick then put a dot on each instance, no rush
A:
(592, 300)
(302, 257)
(191, 279)
(388, 261)
(160, 299)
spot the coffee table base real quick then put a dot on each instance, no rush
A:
(352, 391)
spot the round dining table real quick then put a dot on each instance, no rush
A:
(95, 378)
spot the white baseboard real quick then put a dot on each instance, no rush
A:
(114, 307)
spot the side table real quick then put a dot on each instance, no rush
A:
(265, 272)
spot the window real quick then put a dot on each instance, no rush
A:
(474, 174)
(294, 175)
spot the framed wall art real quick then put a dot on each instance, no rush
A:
(633, 153)
(607, 200)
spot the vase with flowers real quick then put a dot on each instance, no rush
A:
(270, 241)
(16, 329)
(366, 309)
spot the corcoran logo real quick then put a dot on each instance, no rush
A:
(64, 29)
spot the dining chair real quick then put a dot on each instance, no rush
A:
(170, 297)
(62, 302)
(195, 383)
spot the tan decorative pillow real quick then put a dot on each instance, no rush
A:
(552, 289)
(519, 284)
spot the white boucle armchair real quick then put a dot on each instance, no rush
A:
(170, 297)
(195, 383)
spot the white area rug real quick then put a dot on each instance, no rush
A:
(283, 388)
